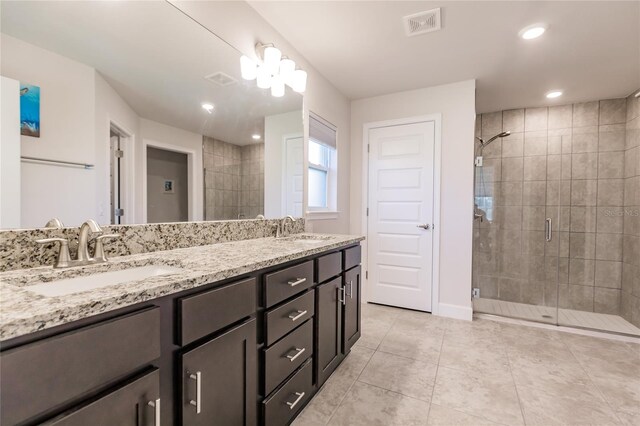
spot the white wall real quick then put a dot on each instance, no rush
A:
(163, 136)
(456, 103)
(111, 108)
(275, 128)
(241, 26)
(66, 133)
(10, 154)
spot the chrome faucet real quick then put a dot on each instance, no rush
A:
(282, 225)
(87, 229)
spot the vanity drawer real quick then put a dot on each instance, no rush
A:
(42, 375)
(210, 311)
(288, 282)
(282, 320)
(352, 257)
(280, 407)
(288, 354)
(328, 266)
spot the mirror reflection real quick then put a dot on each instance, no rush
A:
(131, 112)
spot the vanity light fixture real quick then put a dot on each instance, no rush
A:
(532, 31)
(207, 107)
(273, 71)
(554, 94)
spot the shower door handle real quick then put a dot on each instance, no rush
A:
(548, 229)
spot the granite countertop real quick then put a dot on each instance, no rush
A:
(23, 311)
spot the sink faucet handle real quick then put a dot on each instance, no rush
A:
(63, 258)
(99, 254)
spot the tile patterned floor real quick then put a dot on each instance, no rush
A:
(412, 368)
(566, 317)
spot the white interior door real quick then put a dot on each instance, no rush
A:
(400, 221)
(293, 176)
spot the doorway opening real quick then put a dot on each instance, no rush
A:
(167, 186)
(119, 144)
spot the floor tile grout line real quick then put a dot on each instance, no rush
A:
(359, 374)
(515, 386)
(595, 385)
(392, 391)
(435, 378)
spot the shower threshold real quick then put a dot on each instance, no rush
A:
(566, 317)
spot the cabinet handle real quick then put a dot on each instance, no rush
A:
(299, 352)
(297, 315)
(342, 300)
(294, 403)
(156, 412)
(296, 282)
(548, 229)
(198, 402)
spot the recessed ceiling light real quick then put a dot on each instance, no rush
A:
(208, 107)
(554, 94)
(532, 31)
(255, 137)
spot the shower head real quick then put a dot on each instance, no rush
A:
(499, 135)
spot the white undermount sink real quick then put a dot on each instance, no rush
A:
(103, 279)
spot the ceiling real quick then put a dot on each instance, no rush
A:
(591, 50)
(156, 58)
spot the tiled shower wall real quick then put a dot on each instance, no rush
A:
(630, 296)
(234, 180)
(565, 162)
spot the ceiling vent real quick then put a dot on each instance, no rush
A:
(423, 22)
(221, 79)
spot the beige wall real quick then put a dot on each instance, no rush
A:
(242, 27)
(165, 206)
(456, 103)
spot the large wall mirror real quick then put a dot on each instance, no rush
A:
(131, 112)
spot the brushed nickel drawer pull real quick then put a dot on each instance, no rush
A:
(156, 412)
(296, 282)
(297, 315)
(294, 403)
(198, 402)
(342, 300)
(299, 352)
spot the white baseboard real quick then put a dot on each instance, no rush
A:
(455, 311)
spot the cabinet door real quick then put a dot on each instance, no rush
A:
(219, 379)
(328, 328)
(137, 403)
(352, 314)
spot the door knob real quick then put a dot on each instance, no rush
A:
(425, 226)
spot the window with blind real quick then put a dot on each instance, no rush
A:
(323, 162)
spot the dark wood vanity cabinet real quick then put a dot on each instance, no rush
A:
(219, 379)
(135, 403)
(328, 328)
(352, 315)
(246, 351)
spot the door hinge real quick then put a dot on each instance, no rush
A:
(366, 274)
(475, 293)
(368, 148)
(478, 162)
(367, 211)
(118, 212)
(119, 153)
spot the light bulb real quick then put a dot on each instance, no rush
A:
(248, 68)
(287, 69)
(207, 107)
(264, 77)
(299, 81)
(531, 32)
(272, 56)
(554, 94)
(277, 86)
